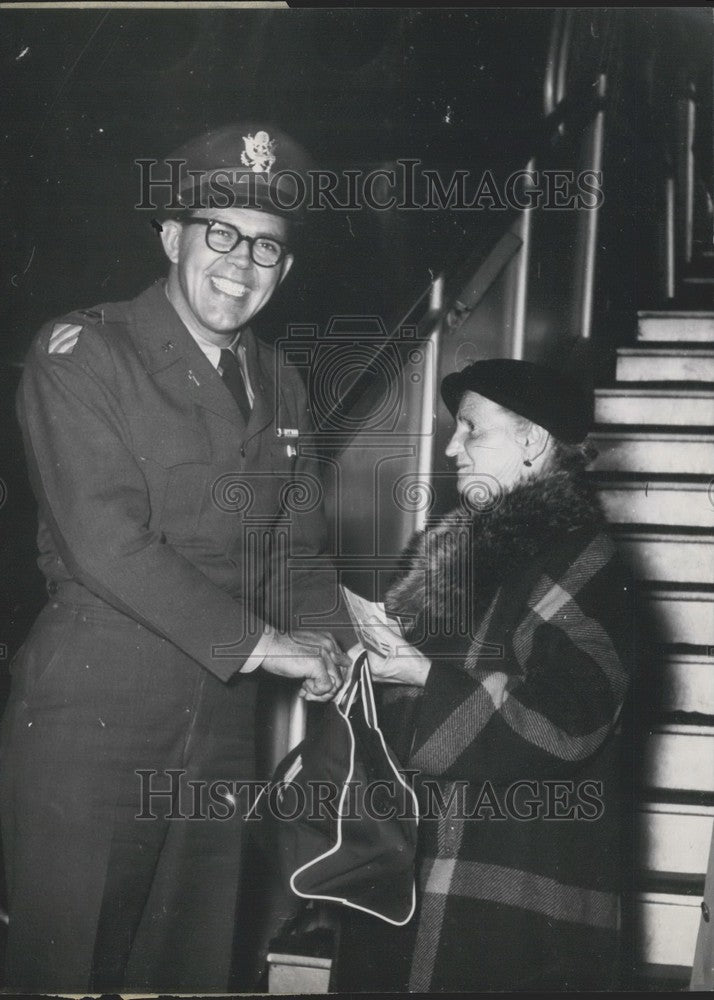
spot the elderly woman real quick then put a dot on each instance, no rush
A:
(518, 665)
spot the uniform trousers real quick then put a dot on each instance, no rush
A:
(110, 885)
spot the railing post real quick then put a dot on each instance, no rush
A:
(519, 310)
(551, 62)
(427, 428)
(297, 721)
(669, 237)
(586, 251)
(684, 172)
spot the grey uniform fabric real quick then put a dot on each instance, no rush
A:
(156, 507)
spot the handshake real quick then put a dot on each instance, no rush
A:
(313, 657)
(316, 659)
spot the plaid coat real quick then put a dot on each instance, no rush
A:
(525, 612)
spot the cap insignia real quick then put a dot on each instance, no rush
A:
(259, 152)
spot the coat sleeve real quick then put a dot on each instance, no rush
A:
(92, 492)
(554, 697)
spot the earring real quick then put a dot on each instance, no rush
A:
(528, 463)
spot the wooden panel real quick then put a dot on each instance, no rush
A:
(661, 364)
(671, 407)
(682, 617)
(676, 326)
(667, 928)
(672, 838)
(680, 504)
(680, 758)
(669, 557)
(651, 451)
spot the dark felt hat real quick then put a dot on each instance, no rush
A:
(553, 400)
(245, 165)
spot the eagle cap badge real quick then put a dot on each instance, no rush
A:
(259, 152)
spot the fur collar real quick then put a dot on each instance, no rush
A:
(441, 562)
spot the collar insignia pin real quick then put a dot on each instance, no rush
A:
(259, 152)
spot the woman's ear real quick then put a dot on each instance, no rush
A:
(536, 442)
(523, 432)
(171, 239)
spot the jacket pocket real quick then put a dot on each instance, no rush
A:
(177, 469)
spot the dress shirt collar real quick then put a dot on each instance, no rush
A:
(212, 352)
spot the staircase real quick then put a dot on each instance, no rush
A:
(655, 477)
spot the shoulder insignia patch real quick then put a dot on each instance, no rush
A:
(63, 338)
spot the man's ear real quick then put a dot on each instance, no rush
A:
(171, 239)
(285, 266)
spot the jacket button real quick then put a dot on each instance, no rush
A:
(705, 912)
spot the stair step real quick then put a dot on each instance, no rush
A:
(669, 557)
(653, 451)
(298, 975)
(681, 617)
(674, 838)
(687, 326)
(670, 503)
(689, 407)
(684, 682)
(680, 759)
(660, 979)
(662, 364)
(666, 928)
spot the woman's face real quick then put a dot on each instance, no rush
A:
(486, 446)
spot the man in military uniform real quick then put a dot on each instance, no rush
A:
(161, 442)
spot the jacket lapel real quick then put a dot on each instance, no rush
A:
(175, 360)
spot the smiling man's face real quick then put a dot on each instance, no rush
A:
(216, 294)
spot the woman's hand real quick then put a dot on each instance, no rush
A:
(405, 665)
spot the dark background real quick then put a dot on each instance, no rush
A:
(97, 89)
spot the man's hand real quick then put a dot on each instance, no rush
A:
(313, 657)
(405, 665)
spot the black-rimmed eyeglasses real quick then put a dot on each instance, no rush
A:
(223, 237)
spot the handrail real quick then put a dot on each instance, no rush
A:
(464, 293)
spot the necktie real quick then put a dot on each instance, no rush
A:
(233, 377)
